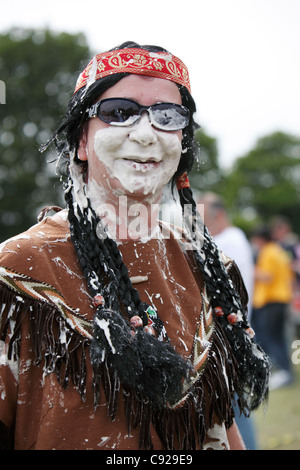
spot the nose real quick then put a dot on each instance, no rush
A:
(143, 132)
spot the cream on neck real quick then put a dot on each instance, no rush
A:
(123, 217)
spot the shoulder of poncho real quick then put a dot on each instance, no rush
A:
(20, 288)
(30, 240)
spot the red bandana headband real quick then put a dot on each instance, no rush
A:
(136, 61)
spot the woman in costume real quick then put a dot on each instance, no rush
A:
(117, 332)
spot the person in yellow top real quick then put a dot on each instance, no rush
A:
(272, 295)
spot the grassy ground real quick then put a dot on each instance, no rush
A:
(278, 426)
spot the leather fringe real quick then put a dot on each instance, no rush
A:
(55, 345)
(62, 351)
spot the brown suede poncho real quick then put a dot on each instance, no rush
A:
(46, 379)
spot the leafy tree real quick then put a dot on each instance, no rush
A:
(207, 175)
(266, 181)
(38, 70)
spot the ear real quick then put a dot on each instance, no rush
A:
(82, 150)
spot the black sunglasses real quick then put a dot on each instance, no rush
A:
(124, 112)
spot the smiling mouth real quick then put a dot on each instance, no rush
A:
(141, 165)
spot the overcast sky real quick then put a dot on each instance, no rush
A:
(243, 55)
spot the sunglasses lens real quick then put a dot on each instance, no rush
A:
(169, 116)
(118, 111)
(124, 112)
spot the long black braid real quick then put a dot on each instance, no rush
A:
(138, 359)
(230, 311)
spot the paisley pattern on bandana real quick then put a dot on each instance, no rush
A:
(137, 61)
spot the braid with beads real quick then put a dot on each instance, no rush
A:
(215, 276)
(101, 260)
(230, 312)
(146, 362)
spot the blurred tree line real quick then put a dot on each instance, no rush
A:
(262, 184)
(40, 68)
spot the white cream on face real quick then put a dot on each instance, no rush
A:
(141, 158)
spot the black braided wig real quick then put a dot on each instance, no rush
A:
(156, 377)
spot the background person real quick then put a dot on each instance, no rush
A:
(273, 290)
(282, 233)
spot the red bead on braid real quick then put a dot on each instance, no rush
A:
(183, 181)
(98, 300)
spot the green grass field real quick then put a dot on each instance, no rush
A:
(278, 425)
